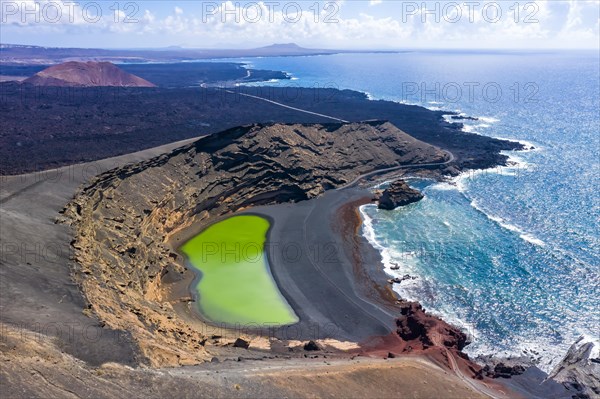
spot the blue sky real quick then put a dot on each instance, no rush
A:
(368, 24)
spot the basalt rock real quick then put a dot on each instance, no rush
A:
(241, 343)
(311, 346)
(465, 118)
(398, 194)
(502, 370)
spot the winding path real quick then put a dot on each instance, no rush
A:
(394, 168)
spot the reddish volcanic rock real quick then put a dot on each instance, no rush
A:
(418, 333)
(423, 330)
(86, 74)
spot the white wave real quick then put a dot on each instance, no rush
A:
(468, 129)
(448, 118)
(531, 239)
(474, 129)
(443, 186)
(368, 229)
(418, 104)
(545, 352)
(508, 226)
(595, 352)
(529, 146)
(515, 167)
(488, 119)
(391, 258)
(540, 349)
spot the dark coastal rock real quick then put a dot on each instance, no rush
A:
(241, 343)
(311, 346)
(451, 171)
(416, 326)
(398, 280)
(579, 370)
(398, 194)
(502, 370)
(464, 118)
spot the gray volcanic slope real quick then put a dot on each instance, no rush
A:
(125, 220)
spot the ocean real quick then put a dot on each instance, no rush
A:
(510, 254)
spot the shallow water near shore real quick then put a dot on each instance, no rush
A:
(510, 254)
(236, 286)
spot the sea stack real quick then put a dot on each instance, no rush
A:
(86, 74)
(398, 194)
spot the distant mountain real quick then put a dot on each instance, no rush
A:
(86, 74)
(287, 49)
(13, 54)
(282, 46)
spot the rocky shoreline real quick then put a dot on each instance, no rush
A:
(576, 376)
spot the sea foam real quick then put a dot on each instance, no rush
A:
(508, 226)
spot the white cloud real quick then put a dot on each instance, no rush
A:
(375, 2)
(262, 24)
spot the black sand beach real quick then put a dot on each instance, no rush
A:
(315, 273)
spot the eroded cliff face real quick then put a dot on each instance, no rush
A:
(124, 220)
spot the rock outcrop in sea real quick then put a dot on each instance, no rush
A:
(398, 194)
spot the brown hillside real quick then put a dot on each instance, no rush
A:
(86, 74)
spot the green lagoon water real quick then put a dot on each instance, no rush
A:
(236, 285)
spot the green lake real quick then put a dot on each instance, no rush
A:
(236, 285)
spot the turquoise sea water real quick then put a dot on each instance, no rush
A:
(510, 254)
